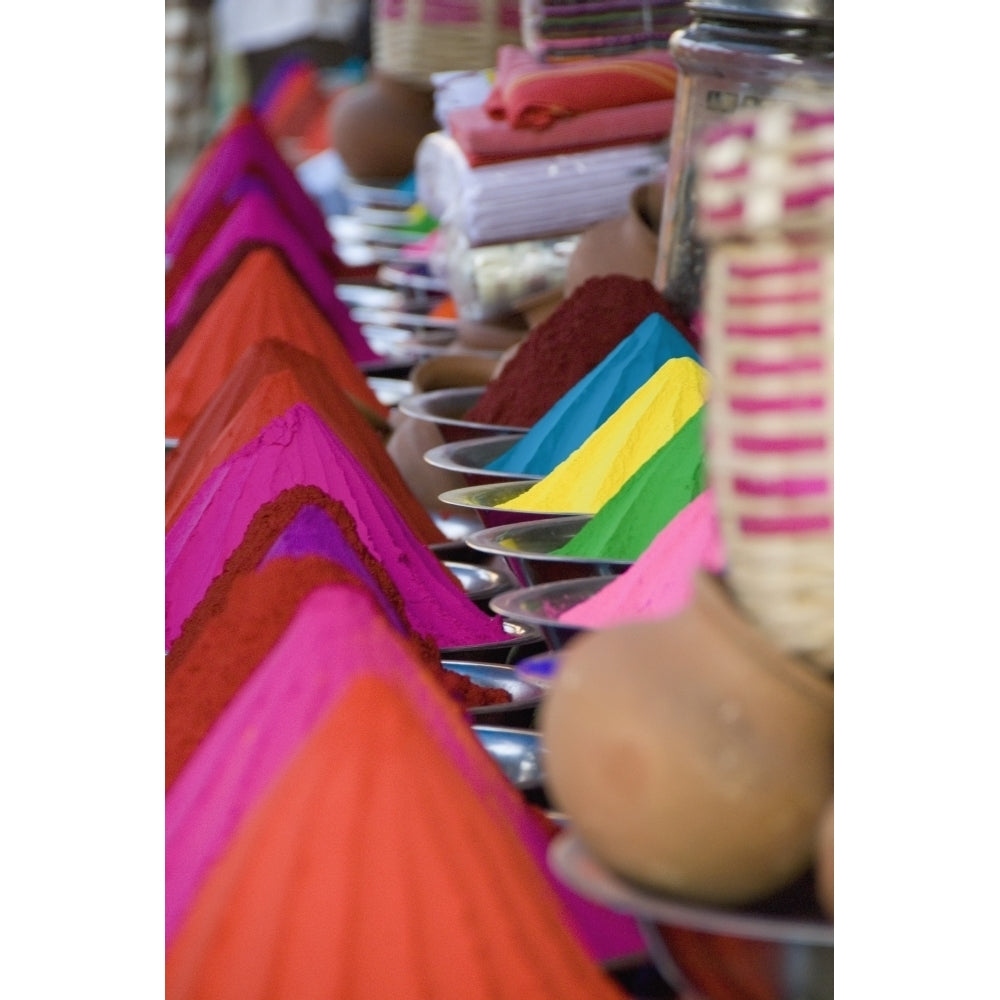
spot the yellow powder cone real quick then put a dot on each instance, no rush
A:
(584, 481)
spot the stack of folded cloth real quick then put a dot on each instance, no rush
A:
(555, 30)
(552, 149)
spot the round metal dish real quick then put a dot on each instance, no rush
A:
(479, 582)
(539, 540)
(518, 752)
(518, 635)
(545, 603)
(470, 457)
(781, 948)
(449, 406)
(489, 496)
(524, 696)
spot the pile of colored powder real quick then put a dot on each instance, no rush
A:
(331, 641)
(295, 449)
(660, 583)
(222, 649)
(228, 645)
(359, 873)
(261, 300)
(578, 335)
(612, 454)
(649, 499)
(241, 152)
(269, 378)
(256, 221)
(299, 521)
(576, 415)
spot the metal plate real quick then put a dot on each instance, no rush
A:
(517, 635)
(489, 496)
(471, 456)
(449, 406)
(524, 696)
(538, 540)
(518, 752)
(544, 603)
(479, 582)
(578, 868)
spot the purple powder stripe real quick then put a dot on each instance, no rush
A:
(785, 525)
(818, 486)
(811, 329)
(776, 404)
(800, 265)
(784, 299)
(756, 444)
(791, 366)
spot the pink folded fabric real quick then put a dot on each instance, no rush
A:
(243, 149)
(489, 140)
(532, 94)
(258, 221)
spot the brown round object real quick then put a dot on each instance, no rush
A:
(824, 860)
(691, 754)
(377, 126)
(626, 244)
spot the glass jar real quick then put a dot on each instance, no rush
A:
(735, 54)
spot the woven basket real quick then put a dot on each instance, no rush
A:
(411, 39)
(765, 209)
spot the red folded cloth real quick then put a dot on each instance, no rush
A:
(533, 94)
(486, 140)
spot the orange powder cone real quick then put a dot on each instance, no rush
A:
(360, 873)
(260, 300)
(270, 377)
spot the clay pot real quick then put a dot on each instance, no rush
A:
(625, 244)
(377, 126)
(691, 755)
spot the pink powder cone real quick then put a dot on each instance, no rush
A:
(299, 448)
(660, 582)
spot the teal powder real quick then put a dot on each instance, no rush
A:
(648, 500)
(578, 413)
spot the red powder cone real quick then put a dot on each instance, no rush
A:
(261, 300)
(360, 873)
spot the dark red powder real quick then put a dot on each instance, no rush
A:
(572, 341)
(269, 521)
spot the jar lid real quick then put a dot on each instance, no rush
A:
(784, 10)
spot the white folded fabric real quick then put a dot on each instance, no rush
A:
(530, 198)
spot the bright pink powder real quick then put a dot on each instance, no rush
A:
(660, 582)
(300, 448)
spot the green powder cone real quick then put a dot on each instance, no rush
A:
(662, 486)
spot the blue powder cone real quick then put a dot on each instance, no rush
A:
(578, 413)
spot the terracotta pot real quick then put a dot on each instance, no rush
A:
(691, 754)
(626, 244)
(377, 126)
